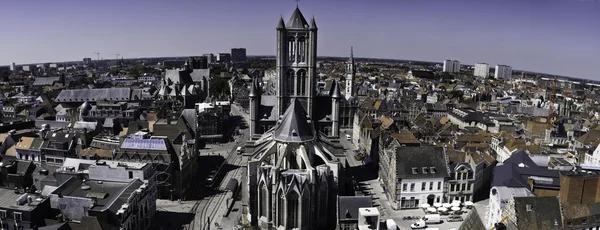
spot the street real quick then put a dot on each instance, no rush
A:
(208, 212)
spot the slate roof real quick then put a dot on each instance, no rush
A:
(538, 213)
(198, 75)
(349, 205)
(408, 158)
(81, 95)
(181, 76)
(510, 174)
(297, 21)
(45, 81)
(268, 107)
(294, 126)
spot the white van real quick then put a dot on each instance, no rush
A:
(348, 137)
(433, 219)
(391, 224)
(239, 150)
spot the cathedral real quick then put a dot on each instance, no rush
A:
(293, 173)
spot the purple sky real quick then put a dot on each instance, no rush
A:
(552, 36)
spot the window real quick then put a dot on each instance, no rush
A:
(451, 188)
(424, 170)
(432, 170)
(130, 175)
(463, 187)
(423, 186)
(2, 214)
(412, 187)
(439, 185)
(528, 207)
(18, 216)
(583, 221)
(431, 185)
(404, 186)
(414, 170)
(469, 187)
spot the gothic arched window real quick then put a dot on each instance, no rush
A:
(301, 49)
(292, 210)
(280, 208)
(291, 49)
(289, 88)
(301, 88)
(264, 193)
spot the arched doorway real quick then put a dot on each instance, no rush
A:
(430, 199)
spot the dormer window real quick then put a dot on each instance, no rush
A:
(424, 170)
(54, 135)
(528, 207)
(432, 170)
(414, 170)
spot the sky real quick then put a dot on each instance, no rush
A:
(550, 36)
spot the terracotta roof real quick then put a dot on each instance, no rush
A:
(590, 137)
(405, 138)
(25, 143)
(94, 151)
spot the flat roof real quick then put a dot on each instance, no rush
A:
(8, 200)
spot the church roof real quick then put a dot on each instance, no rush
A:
(297, 21)
(294, 126)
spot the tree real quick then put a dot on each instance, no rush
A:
(456, 94)
(220, 86)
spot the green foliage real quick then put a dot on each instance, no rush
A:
(456, 94)
(220, 86)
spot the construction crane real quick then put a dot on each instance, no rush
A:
(502, 220)
(97, 54)
(552, 96)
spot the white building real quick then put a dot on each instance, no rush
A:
(482, 70)
(593, 159)
(13, 67)
(503, 72)
(451, 66)
(499, 197)
(414, 175)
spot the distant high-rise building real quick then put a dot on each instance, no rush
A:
(451, 66)
(224, 57)
(210, 58)
(503, 72)
(87, 61)
(198, 62)
(482, 70)
(238, 55)
(13, 67)
(28, 68)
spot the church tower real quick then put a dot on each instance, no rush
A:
(296, 62)
(350, 76)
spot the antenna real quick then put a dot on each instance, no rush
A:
(98, 55)
(297, 3)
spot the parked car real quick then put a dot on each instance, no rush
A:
(419, 225)
(455, 218)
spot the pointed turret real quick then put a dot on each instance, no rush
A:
(313, 24)
(335, 90)
(281, 24)
(351, 60)
(254, 88)
(297, 21)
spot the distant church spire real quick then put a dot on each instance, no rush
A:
(350, 75)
